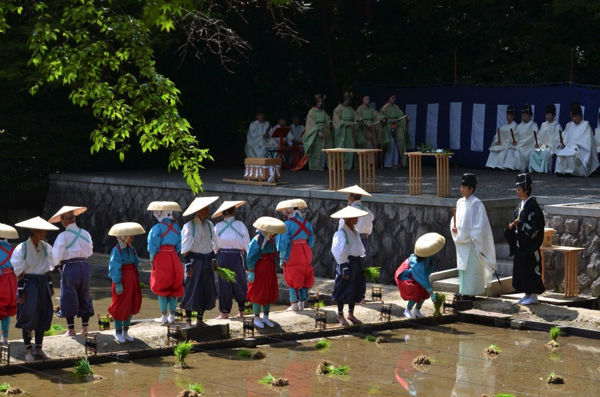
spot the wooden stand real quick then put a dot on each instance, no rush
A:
(313, 299)
(366, 168)
(571, 261)
(173, 334)
(376, 295)
(104, 323)
(320, 319)
(259, 169)
(415, 175)
(248, 327)
(90, 344)
(5, 354)
(386, 312)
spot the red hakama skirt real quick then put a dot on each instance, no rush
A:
(8, 293)
(264, 289)
(298, 272)
(166, 278)
(410, 290)
(130, 301)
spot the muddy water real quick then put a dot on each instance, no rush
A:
(101, 297)
(458, 369)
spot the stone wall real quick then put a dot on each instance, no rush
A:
(576, 226)
(399, 221)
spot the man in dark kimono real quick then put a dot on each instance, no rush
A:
(524, 236)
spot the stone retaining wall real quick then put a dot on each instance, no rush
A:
(576, 226)
(399, 220)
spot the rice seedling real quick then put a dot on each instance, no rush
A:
(267, 379)
(248, 311)
(197, 387)
(372, 273)
(322, 344)
(440, 298)
(142, 285)
(226, 274)
(422, 360)
(327, 367)
(504, 395)
(371, 338)
(320, 304)
(492, 350)
(244, 353)
(555, 379)
(181, 351)
(55, 329)
(83, 369)
(4, 387)
(555, 332)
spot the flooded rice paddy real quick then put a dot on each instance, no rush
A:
(458, 368)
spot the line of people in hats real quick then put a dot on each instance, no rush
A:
(525, 147)
(26, 287)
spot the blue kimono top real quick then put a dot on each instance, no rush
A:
(166, 232)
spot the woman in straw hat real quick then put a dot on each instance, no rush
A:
(32, 263)
(164, 242)
(199, 242)
(347, 249)
(8, 280)
(70, 252)
(231, 249)
(123, 271)
(295, 252)
(262, 276)
(413, 274)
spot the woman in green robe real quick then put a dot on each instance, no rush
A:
(316, 135)
(344, 126)
(394, 128)
(369, 128)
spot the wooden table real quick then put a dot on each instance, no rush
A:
(442, 166)
(571, 261)
(366, 168)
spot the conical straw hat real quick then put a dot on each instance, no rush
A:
(126, 229)
(198, 204)
(349, 212)
(36, 223)
(293, 203)
(355, 190)
(429, 244)
(163, 206)
(270, 225)
(227, 205)
(64, 210)
(7, 231)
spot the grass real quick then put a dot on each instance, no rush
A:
(83, 368)
(226, 274)
(371, 338)
(55, 329)
(267, 380)
(244, 353)
(4, 387)
(555, 332)
(372, 273)
(181, 351)
(197, 387)
(322, 344)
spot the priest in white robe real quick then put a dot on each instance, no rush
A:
(502, 141)
(579, 156)
(548, 143)
(517, 157)
(472, 234)
(258, 135)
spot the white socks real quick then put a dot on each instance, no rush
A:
(162, 319)
(126, 336)
(119, 337)
(294, 307)
(301, 305)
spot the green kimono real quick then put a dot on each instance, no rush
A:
(316, 137)
(392, 113)
(368, 134)
(344, 133)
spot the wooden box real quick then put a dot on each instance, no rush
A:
(548, 232)
(262, 169)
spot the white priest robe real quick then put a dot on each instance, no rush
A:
(597, 136)
(517, 157)
(498, 151)
(475, 250)
(255, 143)
(579, 157)
(540, 159)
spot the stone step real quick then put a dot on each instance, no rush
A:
(504, 267)
(451, 284)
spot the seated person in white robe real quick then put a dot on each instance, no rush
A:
(548, 143)
(502, 141)
(297, 129)
(579, 156)
(257, 136)
(517, 157)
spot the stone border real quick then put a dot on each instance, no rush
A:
(571, 209)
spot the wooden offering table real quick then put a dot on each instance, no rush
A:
(366, 168)
(571, 261)
(442, 166)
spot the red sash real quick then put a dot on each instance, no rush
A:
(170, 228)
(302, 227)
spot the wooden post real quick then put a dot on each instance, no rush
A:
(571, 287)
(330, 171)
(361, 169)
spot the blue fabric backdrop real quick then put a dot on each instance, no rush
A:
(492, 97)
